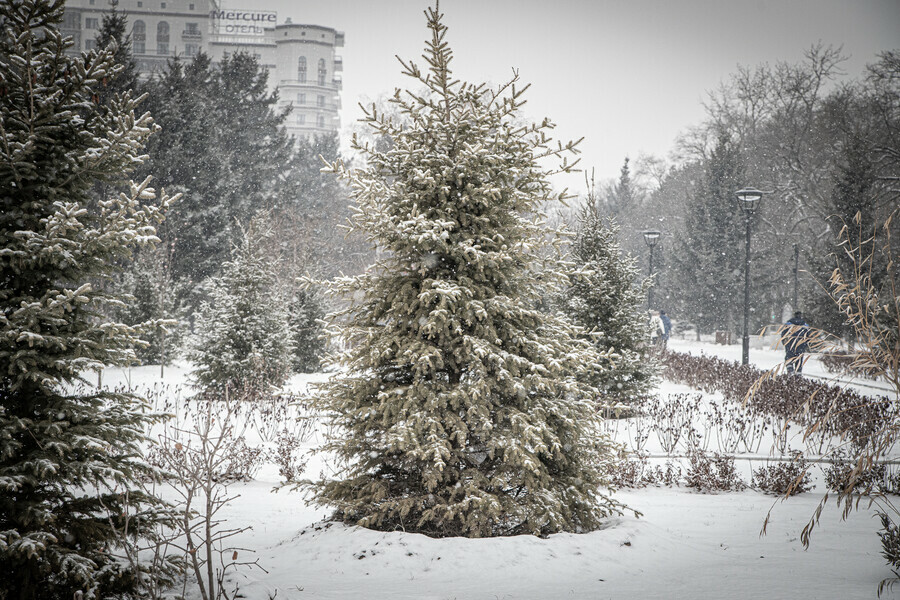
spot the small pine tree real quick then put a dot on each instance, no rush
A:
(623, 201)
(70, 458)
(460, 411)
(305, 313)
(241, 341)
(606, 300)
(113, 36)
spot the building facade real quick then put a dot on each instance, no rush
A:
(301, 59)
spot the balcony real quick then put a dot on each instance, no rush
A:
(338, 63)
(312, 86)
(191, 34)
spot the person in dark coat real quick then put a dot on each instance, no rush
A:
(795, 337)
(667, 325)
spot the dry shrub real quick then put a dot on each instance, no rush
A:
(633, 470)
(784, 478)
(711, 474)
(839, 475)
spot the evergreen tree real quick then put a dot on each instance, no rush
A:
(70, 457)
(709, 259)
(623, 201)
(305, 312)
(241, 341)
(223, 145)
(606, 300)
(113, 36)
(460, 411)
(150, 301)
(184, 157)
(252, 140)
(854, 192)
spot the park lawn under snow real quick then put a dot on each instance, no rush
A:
(684, 545)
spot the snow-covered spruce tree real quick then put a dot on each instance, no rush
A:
(70, 457)
(606, 299)
(243, 337)
(460, 412)
(305, 312)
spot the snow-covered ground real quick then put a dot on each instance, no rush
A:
(685, 544)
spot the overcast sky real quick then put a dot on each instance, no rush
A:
(628, 75)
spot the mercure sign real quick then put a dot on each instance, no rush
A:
(242, 22)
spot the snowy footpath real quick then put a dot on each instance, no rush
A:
(684, 545)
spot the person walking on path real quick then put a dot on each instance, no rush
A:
(667, 327)
(795, 337)
(657, 331)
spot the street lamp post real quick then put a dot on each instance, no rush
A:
(749, 199)
(651, 236)
(796, 268)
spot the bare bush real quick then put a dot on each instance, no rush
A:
(202, 458)
(711, 474)
(839, 475)
(633, 470)
(784, 478)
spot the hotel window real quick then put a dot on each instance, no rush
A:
(320, 101)
(162, 38)
(91, 23)
(322, 71)
(139, 37)
(301, 98)
(301, 119)
(191, 49)
(90, 44)
(301, 69)
(320, 121)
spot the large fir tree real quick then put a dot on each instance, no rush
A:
(709, 259)
(223, 145)
(607, 299)
(855, 192)
(70, 457)
(460, 411)
(622, 198)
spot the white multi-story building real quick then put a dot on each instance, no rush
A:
(301, 59)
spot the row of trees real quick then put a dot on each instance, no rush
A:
(465, 409)
(77, 514)
(822, 150)
(221, 144)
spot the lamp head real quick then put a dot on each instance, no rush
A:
(749, 199)
(651, 236)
